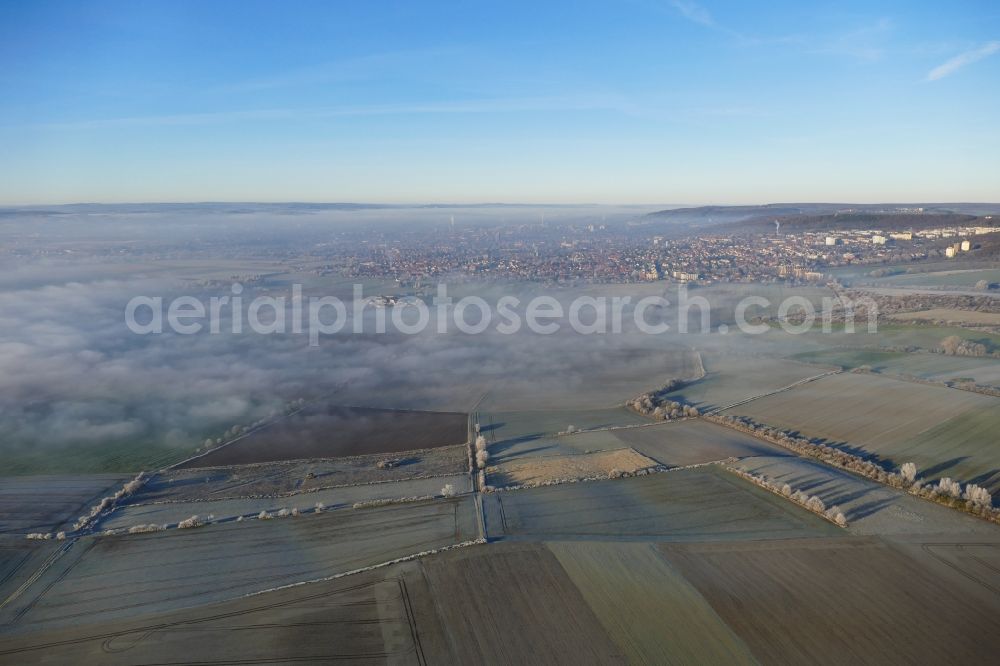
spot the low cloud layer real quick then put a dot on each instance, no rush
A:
(71, 373)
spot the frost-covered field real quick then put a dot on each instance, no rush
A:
(704, 503)
(693, 441)
(44, 503)
(870, 508)
(118, 577)
(732, 378)
(171, 513)
(945, 432)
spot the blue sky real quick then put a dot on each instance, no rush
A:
(610, 102)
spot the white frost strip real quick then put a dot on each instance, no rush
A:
(398, 560)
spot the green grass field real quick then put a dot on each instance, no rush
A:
(927, 366)
(949, 278)
(90, 458)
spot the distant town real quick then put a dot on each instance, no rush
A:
(600, 254)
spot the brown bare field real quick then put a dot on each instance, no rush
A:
(648, 609)
(836, 601)
(44, 503)
(330, 431)
(978, 563)
(541, 469)
(695, 441)
(513, 603)
(376, 617)
(271, 479)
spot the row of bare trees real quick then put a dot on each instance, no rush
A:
(976, 501)
(658, 405)
(811, 502)
(108, 503)
(974, 498)
(238, 430)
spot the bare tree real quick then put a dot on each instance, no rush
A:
(909, 472)
(814, 503)
(448, 490)
(950, 344)
(956, 346)
(152, 527)
(946, 486)
(978, 495)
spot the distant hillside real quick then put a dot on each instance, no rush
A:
(721, 214)
(988, 248)
(885, 221)
(890, 213)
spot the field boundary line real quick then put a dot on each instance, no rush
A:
(380, 565)
(776, 391)
(234, 440)
(627, 426)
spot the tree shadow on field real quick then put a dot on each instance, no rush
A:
(490, 427)
(702, 405)
(887, 464)
(850, 497)
(870, 508)
(804, 483)
(932, 473)
(987, 479)
(507, 444)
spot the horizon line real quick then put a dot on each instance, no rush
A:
(470, 204)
